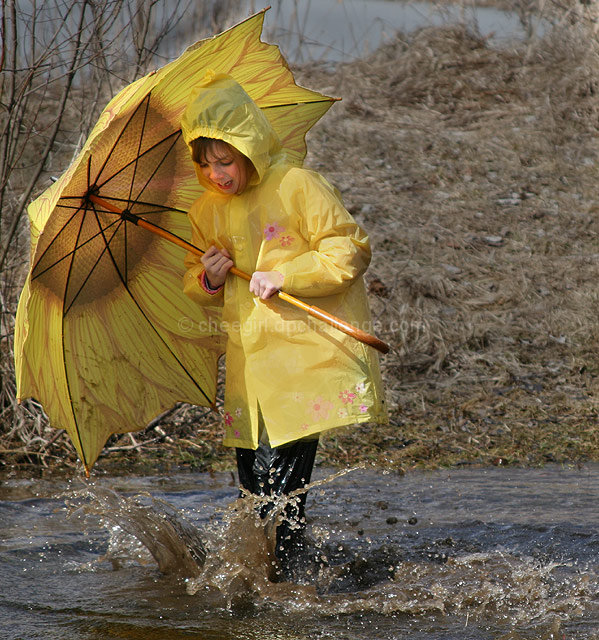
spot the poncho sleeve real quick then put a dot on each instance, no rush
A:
(195, 269)
(339, 250)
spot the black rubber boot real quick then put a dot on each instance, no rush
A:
(269, 471)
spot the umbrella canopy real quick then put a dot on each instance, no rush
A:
(105, 339)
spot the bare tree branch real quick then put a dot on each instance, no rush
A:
(60, 63)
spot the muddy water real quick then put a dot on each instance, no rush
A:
(471, 554)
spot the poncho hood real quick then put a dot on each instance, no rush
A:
(220, 108)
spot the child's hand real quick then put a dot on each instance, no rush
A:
(216, 263)
(265, 284)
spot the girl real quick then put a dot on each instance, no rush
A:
(288, 378)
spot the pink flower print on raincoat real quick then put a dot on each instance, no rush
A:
(228, 419)
(320, 408)
(286, 240)
(347, 397)
(272, 230)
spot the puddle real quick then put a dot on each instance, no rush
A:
(484, 554)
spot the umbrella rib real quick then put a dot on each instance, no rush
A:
(172, 146)
(70, 269)
(104, 250)
(84, 460)
(157, 208)
(135, 160)
(167, 347)
(116, 142)
(75, 249)
(124, 283)
(296, 104)
(139, 142)
(126, 234)
(54, 239)
(164, 342)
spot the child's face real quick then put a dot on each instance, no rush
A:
(225, 168)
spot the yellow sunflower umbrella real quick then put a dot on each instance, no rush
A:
(105, 339)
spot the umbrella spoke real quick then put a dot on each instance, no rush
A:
(75, 249)
(132, 164)
(155, 171)
(105, 250)
(139, 131)
(115, 144)
(155, 210)
(70, 267)
(168, 347)
(152, 206)
(133, 300)
(144, 153)
(54, 241)
(139, 144)
(89, 170)
(295, 104)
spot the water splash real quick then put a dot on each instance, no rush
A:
(174, 543)
(228, 562)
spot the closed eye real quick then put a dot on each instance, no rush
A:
(223, 162)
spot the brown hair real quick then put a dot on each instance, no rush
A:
(200, 147)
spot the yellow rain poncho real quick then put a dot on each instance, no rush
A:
(303, 375)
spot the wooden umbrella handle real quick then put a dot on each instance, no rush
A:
(315, 312)
(336, 322)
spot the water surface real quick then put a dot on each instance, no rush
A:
(345, 30)
(469, 554)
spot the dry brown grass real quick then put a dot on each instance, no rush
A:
(475, 172)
